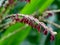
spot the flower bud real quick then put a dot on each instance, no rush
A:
(45, 32)
(38, 27)
(11, 1)
(49, 14)
(27, 0)
(52, 37)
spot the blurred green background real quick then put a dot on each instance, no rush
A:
(30, 36)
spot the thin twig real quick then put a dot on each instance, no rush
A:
(52, 23)
(36, 20)
(54, 11)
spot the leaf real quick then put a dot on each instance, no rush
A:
(46, 5)
(17, 37)
(57, 39)
(33, 6)
(19, 6)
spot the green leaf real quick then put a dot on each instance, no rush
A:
(19, 35)
(46, 5)
(57, 39)
(33, 6)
